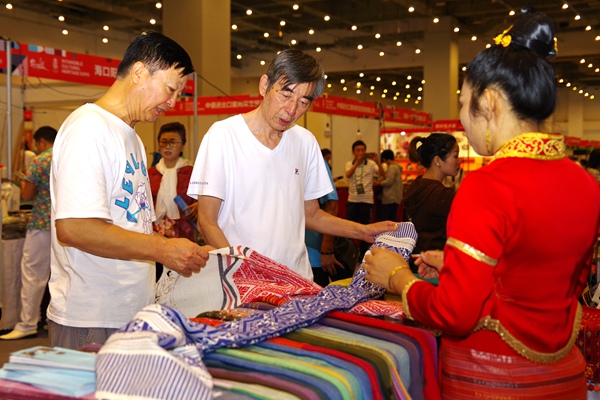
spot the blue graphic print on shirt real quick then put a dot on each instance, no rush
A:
(140, 196)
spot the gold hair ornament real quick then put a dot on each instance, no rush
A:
(504, 39)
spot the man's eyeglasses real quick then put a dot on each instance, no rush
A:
(168, 143)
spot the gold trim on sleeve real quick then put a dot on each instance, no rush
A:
(471, 251)
(537, 357)
(404, 298)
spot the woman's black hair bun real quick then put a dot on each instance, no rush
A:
(534, 31)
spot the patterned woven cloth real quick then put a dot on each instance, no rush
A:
(159, 353)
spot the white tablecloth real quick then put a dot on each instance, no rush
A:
(10, 290)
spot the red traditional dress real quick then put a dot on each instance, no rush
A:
(520, 237)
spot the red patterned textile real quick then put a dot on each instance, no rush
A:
(260, 279)
(470, 374)
(588, 342)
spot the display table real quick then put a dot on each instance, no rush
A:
(10, 292)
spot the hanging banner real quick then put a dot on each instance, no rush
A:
(212, 105)
(406, 116)
(447, 125)
(49, 63)
(348, 107)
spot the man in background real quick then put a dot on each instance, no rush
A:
(392, 187)
(35, 262)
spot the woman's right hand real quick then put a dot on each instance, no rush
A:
(430, 263)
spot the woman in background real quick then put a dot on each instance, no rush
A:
(517, 256)
(427, 200)
(593, 164)
(169, 178)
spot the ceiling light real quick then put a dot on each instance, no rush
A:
(577, 17)
(104, 40)
(318, 49)
(420, 89)
(234, 27)
(239, 56)
(370, 93)
(381, 54)
(395, 97)
(327, 18)
(597, 70)
(580, 91)
(295, 7)
(511, 13)
(377, 35)
(458, 91)
(9, 6)
(423, 82)
(419, 98)
(588, 28)
(417, 51)
(262, 62)
(342, 81)
(345, 89)
(487, 46)
(592, 97)
(282, 23)
(408, 96)
(360, 47)
(293, 42)
(565, 6)
(158, 5)
(361, 75)
(329, 85)
(61, 18)
(248, 12)
(473, 38)
(408, 77)
(354, 27)
(586, 94)
(574, 88)
(266, 34)
(561, 80)
(357, 91)
(407, 86)
(385, 90)
(436, 20)
(582, 61)
(568, 84)
(398, 43)
(411, 9)
(65, 32)
(378, 79)
(393, 83)
(590, 65)
(598, 38)
(456, 29)
(311, 31)
(105, 27)
(372, 88)
(152, 21)
(358, 84)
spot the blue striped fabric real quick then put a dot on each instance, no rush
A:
(159, 353)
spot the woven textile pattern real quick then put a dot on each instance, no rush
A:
(159, 353)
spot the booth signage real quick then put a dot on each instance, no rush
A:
(348, 107)
(447, 125)
(49, 63)
(213, 105)
(406, 116)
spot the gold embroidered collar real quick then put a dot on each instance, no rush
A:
(539, 146)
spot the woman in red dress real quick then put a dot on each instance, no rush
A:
(520, 236)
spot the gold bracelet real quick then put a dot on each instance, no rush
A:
(405, 297)
(398, 268)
